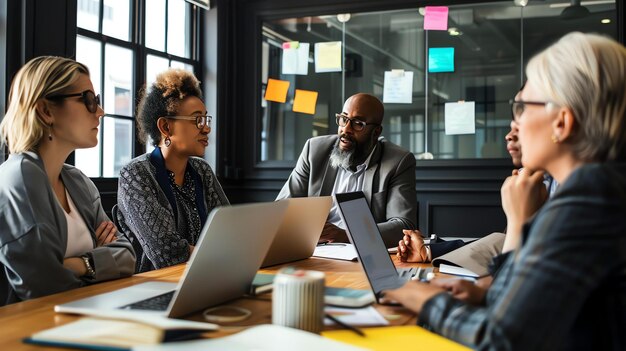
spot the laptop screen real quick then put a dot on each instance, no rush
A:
(364, 234)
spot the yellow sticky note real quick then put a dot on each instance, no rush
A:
(328, 57)
(276, 90)
(305, 101)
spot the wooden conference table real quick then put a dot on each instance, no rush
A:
(23, 319)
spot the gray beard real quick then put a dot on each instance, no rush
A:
(340, 158)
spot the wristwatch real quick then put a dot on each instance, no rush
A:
(88, 264)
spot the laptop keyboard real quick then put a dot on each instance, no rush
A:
(155, 303)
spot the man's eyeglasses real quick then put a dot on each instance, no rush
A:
(90, 99)
(357, 124)
(518, 107)
(201, 121)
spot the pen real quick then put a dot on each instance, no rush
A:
(345, 325)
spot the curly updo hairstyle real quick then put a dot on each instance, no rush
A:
(163, 99)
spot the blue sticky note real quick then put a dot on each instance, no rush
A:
(440, 60)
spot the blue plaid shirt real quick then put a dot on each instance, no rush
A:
(566, 287)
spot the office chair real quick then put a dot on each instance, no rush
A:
(117, 218)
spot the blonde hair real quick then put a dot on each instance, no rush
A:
(587, 73)
(22, 128)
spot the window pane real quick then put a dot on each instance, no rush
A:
(118, 145)
(88, 14)
(155, 25)
(185, 66)
(154, 66)
(490, 52)
(118, 76)
(178, 36)
(116, 19)
(88, 53)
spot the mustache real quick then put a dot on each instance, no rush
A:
(347, 137)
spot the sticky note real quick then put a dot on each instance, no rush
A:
(296, 60)
(305, 101)
(460, 117)
(276, 90)
(436, 18)
(328, 57)
(291, 44)
(440, 60)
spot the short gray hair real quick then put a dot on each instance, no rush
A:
(587, 73)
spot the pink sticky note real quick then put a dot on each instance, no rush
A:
(436, 18)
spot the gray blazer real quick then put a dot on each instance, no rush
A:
(33, 231)
(389, 183)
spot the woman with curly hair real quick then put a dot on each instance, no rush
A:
(164, 196)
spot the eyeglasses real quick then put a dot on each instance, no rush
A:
(90, 99)
(201, 121)
(357, 124)
(518, 107)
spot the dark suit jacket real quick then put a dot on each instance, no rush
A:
(389, 183)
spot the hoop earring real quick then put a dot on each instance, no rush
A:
(50, 132)
(168, 141)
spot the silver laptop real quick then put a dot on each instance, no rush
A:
(300, 230)
(364, 234)
(232, 245)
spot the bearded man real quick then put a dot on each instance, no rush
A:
(356, 159)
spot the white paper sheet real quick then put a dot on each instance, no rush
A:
(367, 316)
(398, 87)
(460, 117)
(336, 251)
(296, 61)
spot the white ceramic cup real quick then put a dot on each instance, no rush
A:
(298, 299)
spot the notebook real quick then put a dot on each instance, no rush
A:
(299, 231)
(265, 337)
(230, 250)
(364, 234)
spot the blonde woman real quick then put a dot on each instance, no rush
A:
(54, 234)
(564, 285)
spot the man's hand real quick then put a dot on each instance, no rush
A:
(411, 248)
(106, 233)
(333, 234)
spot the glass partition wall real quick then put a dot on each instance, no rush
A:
(491, 44)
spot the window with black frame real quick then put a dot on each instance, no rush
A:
(492, 42)
(122, 56)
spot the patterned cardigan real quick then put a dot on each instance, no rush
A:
(144, 212)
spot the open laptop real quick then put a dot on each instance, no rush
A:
(300, 230)
(365, 236)
(232, 245)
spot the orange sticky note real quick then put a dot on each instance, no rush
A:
(276, 90)
(305, 101)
